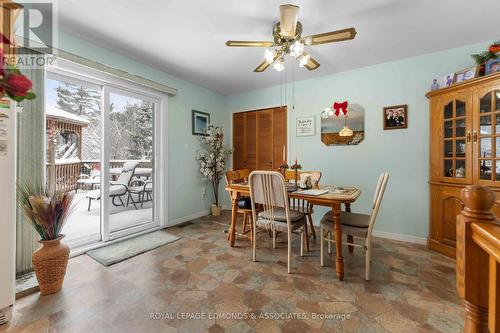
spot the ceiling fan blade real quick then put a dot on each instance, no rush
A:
(288, 20)
(312, 64)
(242, 43)
(262, 67)
(330, 37)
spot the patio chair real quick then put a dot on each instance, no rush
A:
(268, 189)
(91, 180)
(141, 188)
(117, 188)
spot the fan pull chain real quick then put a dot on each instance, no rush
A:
(293, 85)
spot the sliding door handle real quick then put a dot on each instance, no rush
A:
(468, 137)
(474, 137)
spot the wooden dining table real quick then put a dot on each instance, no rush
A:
(331, 199)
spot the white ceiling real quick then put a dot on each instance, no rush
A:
(186, 38)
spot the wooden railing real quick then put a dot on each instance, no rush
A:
(66, 174)
(478, 258)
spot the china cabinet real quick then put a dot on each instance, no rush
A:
(464, 150)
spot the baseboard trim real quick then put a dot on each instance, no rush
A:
(400, 237)
(188, 218)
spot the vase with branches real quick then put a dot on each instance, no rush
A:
(212, 161)
(47, 211)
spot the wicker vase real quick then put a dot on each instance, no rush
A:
(216, 209)
(50, 262)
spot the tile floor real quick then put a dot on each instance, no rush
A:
(412, 290)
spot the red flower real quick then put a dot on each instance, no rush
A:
(17, 84)
(494, 48)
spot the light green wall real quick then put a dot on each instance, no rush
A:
(184, 178)
(403, 153)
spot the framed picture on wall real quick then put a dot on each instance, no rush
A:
(395, 117)
(200, 122)
(305, 126)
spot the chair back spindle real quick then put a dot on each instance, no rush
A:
(268, 189)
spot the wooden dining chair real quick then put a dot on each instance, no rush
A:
(303, 205)
(268, 189)
(355, 225)
(243, 206)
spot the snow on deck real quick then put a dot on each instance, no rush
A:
(84, 227)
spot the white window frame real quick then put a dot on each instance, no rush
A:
(69, 71)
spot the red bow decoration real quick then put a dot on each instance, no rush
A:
(340, 107)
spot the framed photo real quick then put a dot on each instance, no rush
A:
(436, 84)
(200, 122)
(447, 80)
(395, 117)
(492, 66)
(305, 126)
(466, 74)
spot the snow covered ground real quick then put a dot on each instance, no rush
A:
(84, 227)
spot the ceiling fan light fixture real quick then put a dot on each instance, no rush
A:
(297, 49)
(269, 55)
(279, 66)
(303, 59)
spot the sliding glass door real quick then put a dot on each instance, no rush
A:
(101, 143)
(73, 151)
(130, 136)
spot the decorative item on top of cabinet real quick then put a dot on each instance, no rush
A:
(343, 124)
(466, 74)
(464, 149)
(492, 66)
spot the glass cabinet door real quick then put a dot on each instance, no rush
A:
(456, 140)
(486, 137)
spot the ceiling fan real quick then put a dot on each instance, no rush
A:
(288, 40)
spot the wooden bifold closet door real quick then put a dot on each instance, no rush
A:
(259, 138)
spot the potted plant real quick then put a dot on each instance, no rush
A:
(492, 53)
(212, 162)
(47, 212)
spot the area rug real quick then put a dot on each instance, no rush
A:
(123, 250)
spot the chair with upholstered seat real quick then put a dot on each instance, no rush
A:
(268, 189)
(244, 206)
(355, 225)
(303, 205)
